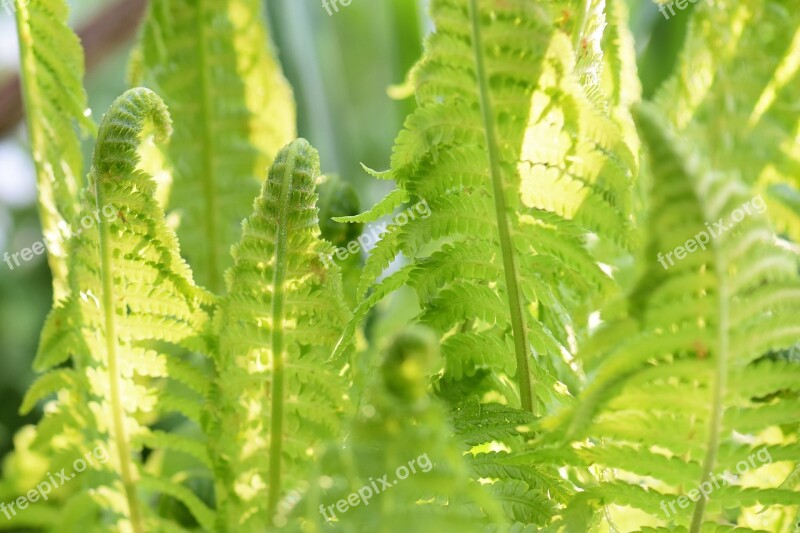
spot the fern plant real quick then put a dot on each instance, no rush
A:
(696, 353)
(275, 394)
(686, 390)
(132, 299)
(555, 374)
(499, 260)
(522, 160)
(52, 60)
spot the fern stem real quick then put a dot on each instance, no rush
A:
(127, 469)
(578, 37)
(720, 385)
(209, 175)
(278, 378)
(518, 325)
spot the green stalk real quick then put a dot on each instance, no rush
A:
(127, 469)
(515, 302)
(578, 37)
(278, 378)
(720, 386)
(208, 177)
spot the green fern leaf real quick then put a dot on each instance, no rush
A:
(505, 100)
(132, 308)
(276, 396)
(232, 109)
(51, 60)
(686, 394)
(528, 486)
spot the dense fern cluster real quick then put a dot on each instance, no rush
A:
(555, 376)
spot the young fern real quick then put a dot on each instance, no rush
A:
(52, 76)
(51, 57)
(337, 199)
(502, 260)
(232, 109)
(133, 309)
(400, 458)
(512, 121)
(276, 394)
(687, 390)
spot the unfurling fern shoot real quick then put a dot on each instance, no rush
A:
(277, 393)
(399, 424)
(133, 310)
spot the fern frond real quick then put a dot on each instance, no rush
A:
(528, 486)
(233, 111)
(51, 61)
(276, 398)
(674, 402)
(391, 201)
(514, 151)
(132, 307)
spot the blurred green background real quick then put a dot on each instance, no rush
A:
(341, 67)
